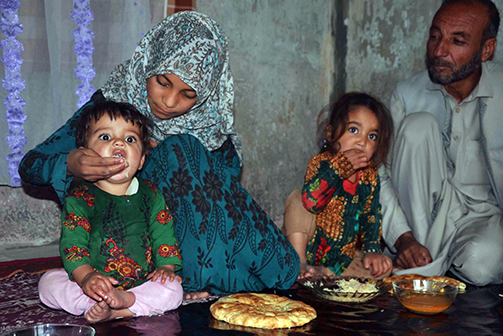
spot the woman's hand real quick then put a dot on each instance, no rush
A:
(379, 262)
(86, 164)
(165, 272)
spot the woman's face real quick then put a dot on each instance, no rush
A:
(168, 96)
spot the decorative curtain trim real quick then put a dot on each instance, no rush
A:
(84, 48)
(13, 84)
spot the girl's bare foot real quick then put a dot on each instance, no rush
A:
(196, 295)
(99, 312)
(120, 299)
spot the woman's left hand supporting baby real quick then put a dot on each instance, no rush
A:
(165, 272)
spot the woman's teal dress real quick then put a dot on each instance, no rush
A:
(228, 243)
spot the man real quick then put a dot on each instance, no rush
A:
(442, 196)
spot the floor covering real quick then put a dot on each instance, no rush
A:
(477, 312)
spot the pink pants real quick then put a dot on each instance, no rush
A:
(58, 292)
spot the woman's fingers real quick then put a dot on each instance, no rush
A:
(87, 164)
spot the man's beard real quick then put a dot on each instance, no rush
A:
(458, 74)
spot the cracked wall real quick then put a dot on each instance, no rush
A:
(290, 57)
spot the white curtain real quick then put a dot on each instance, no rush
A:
(49, 60)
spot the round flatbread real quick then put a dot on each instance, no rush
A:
(266, 311)
(441, 278)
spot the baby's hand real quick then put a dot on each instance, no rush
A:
(315, 271)
(165, 272)
(379, 262)
(97, 286)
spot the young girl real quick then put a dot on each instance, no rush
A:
(117, 241)
(342, 189)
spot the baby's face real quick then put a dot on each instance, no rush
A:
(117, 137)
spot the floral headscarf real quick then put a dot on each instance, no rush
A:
(192, 46)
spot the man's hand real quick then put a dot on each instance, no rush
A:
(410, 253)
(90, 166)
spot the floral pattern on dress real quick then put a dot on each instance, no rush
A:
(76, 253)
(341, 217)
(167, 251)
(164, 216)
(321, 252)
(71, 221)
(82, 191)
(119, 263)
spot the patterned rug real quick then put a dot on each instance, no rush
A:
(21, 307)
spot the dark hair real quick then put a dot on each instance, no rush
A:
(491, 30)
(114, 110)
(339, 118)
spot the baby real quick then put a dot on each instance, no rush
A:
(117, 240)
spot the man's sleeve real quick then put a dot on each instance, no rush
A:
(394, 222)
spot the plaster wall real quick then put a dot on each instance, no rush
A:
(289, 59)
(282, 58)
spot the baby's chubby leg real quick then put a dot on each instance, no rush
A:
(58, 292)
(156, 297)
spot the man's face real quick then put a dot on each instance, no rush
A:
(454, 49)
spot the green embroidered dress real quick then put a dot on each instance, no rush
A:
(343, 220)
(125, 237)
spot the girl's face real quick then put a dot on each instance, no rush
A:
(362, 132)
(169, 97)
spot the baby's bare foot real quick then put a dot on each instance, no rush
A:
(99, 312)
(196, 295)
(120, 299)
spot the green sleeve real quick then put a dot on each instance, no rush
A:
(371, 222)
(165, 249)
(46, 163)
(75, 234)
(323, 182)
